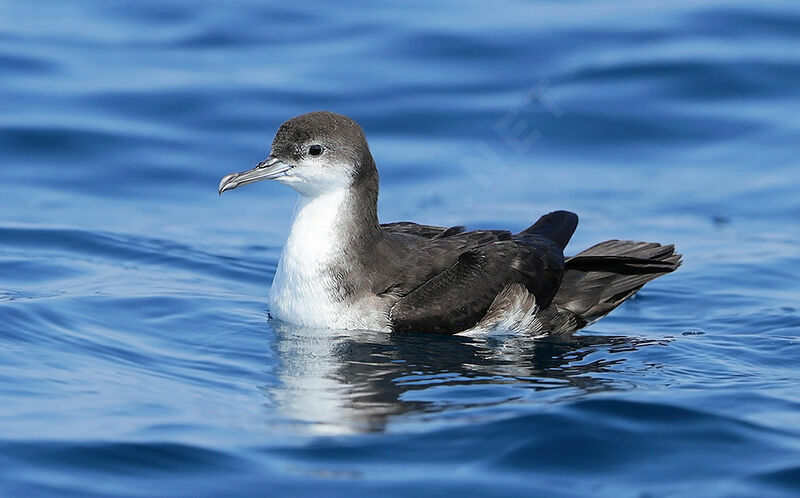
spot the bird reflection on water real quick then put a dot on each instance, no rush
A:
(355, 381)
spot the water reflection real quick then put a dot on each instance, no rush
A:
(356, 381)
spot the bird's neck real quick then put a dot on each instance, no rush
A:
(340, 223)
(332, 237)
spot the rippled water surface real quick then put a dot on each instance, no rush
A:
(136, 356)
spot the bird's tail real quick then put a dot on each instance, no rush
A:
(600, 278)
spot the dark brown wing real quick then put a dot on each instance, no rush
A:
(456, 298)
(426, 231)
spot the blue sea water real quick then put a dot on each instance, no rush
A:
(136, 355)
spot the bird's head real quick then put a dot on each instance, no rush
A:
(313, 153)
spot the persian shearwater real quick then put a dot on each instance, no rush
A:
(342, 269)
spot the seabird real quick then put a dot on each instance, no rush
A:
(341, 268)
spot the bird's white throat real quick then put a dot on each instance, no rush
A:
(313, 235)
(300, 292)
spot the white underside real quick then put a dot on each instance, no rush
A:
(301, 291)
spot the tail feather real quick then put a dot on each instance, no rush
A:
(600, 278)
(557, 226)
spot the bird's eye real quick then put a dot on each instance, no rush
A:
(315, 150)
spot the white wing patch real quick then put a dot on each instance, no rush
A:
(512, 312)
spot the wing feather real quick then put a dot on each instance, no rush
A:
(456, 298)
(426, 231)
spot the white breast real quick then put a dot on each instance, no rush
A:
(301, 291)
